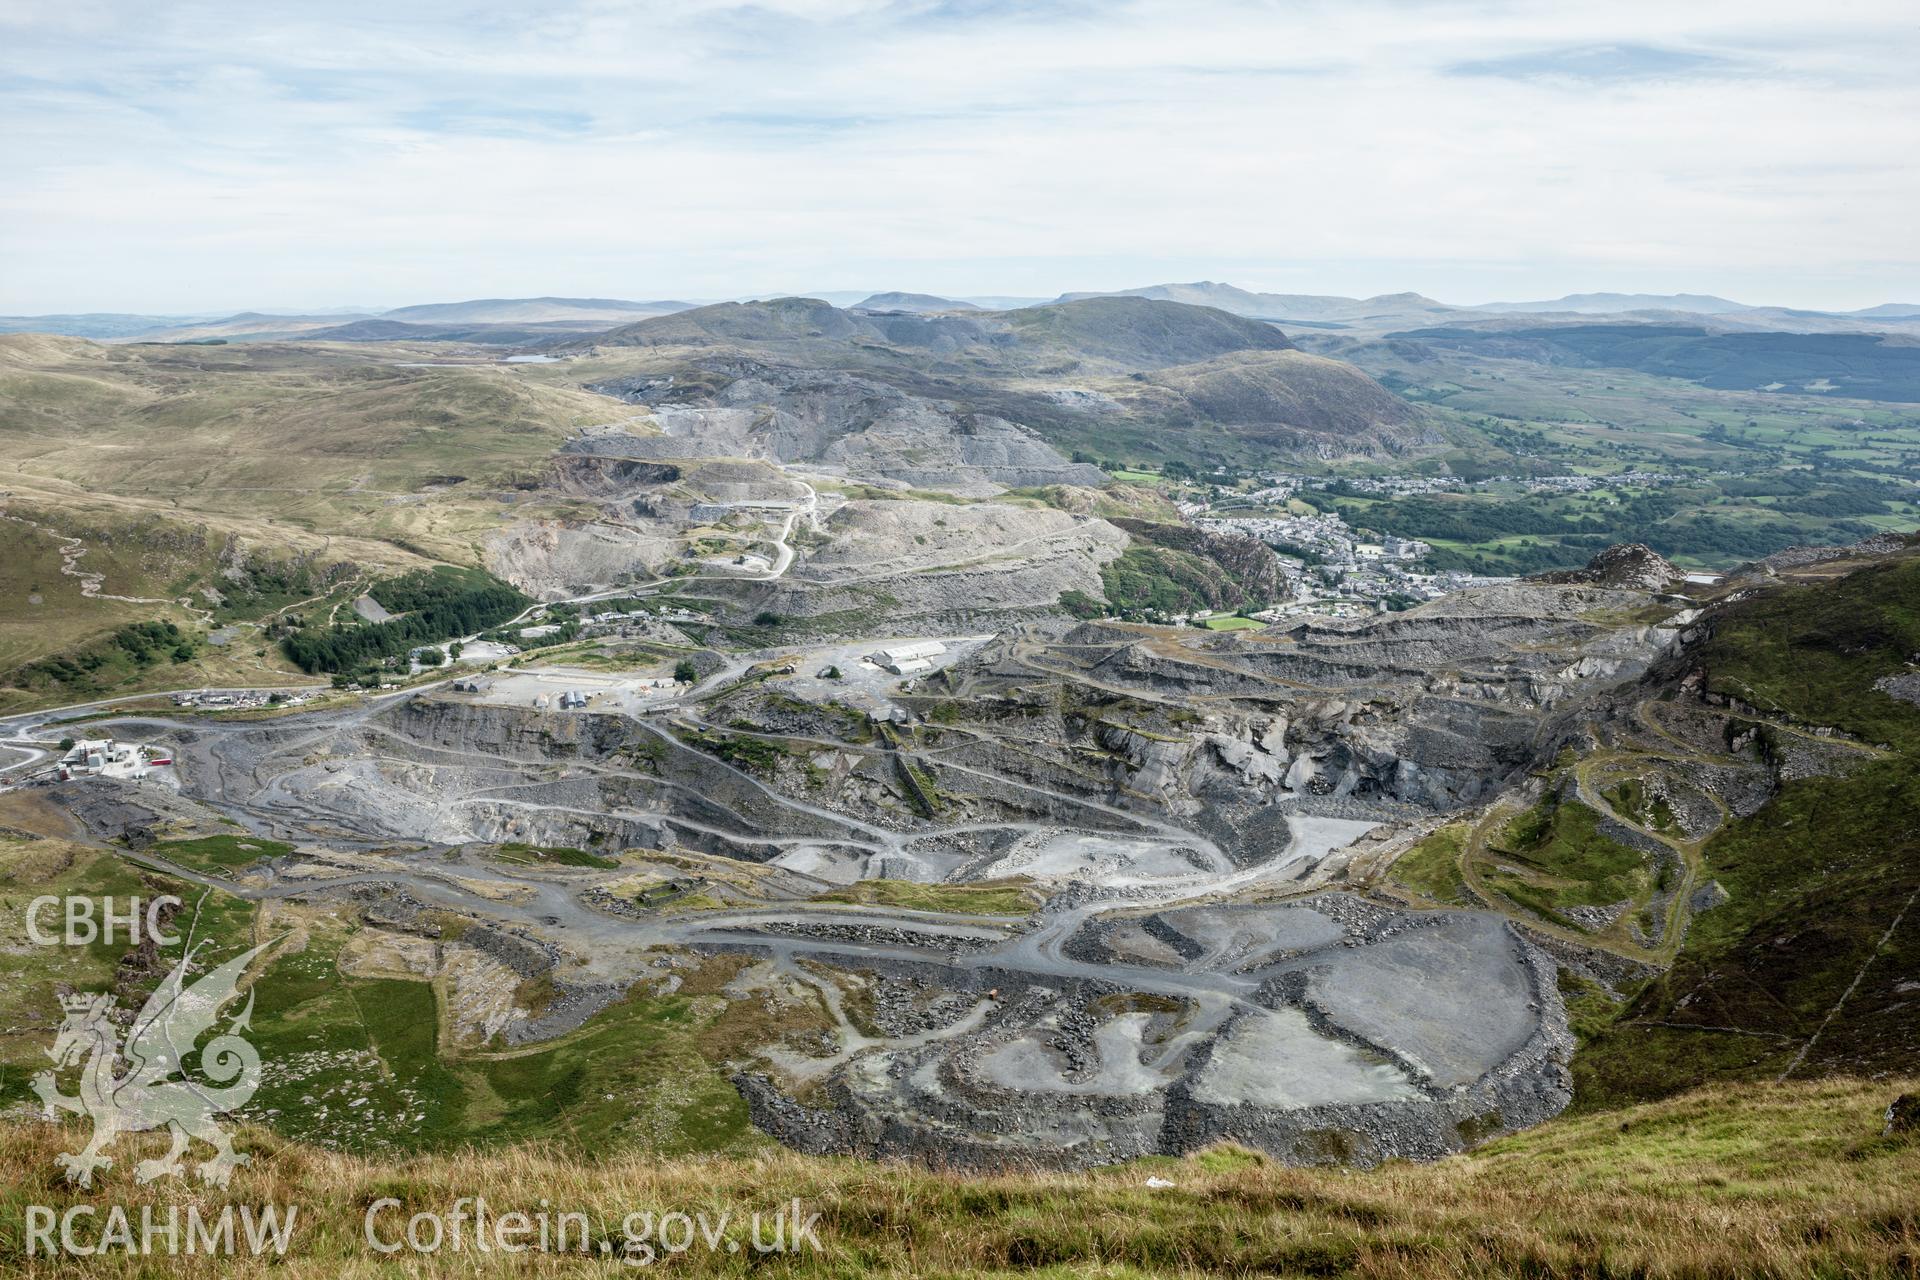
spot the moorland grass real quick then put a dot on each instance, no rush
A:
(1013, 897)
(1779, 1180)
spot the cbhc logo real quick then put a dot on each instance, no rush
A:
(85, 923)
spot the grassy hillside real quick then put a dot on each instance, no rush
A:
(1720, 520)
(1517, 410)
(76, 571)
(206, 485)
(1141, 333)
(1292, 388)
(317, 438)
(374, 1046)
(1859, 365)
(1790, 1180)
(1815, 651)
(1808, 968)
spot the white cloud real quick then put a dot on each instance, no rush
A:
(195, 157)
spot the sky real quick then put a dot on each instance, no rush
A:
(189, 157)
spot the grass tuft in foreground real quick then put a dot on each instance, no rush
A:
(1779, 1180)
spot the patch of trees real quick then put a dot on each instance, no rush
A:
(1081, 605)
(434, 605)
(138, 645)
(260, 582)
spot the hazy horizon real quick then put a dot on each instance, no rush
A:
(843, 297)
(194, 159)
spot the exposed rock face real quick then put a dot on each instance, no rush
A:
(888, 539)
(1708, 896)
(1181, 806)
(847, 421)
(1625, 566)
(1358, 1035)
(919, 560)
(555, 558)
(585, 475)
(1905, 687)
(1167, 365)
(1434, 707)
(1879, 544)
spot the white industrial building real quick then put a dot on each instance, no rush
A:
(911, 658)
(104, 758)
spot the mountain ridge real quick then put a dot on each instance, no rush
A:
(1276, 306)
(1612, 303)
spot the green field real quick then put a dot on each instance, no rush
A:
(988, 898)
(559, 856)
(220, 853)
(1432, 867)
(1759, 470)
(1564, 860)
(1702, 522)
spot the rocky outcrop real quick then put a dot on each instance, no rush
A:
(555, 559)
(865, 427)
(1249, 566)
(1625, 566)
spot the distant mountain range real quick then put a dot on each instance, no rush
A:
(1702, 304)
(1392, 312)
(532, 311)
(1699, 304)
(521, 321)
(93, 324)
(1277, 306)
(433, 322)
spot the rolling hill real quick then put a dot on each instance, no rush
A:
(1857, 365)
(1108, 376)
(97, 324)
(1278, 306)
(1609, 303)
(1805, 966)
(1140, 333)
(911, 302)
(532, 311)
(200, 484)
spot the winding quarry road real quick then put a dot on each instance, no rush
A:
(374, 798)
